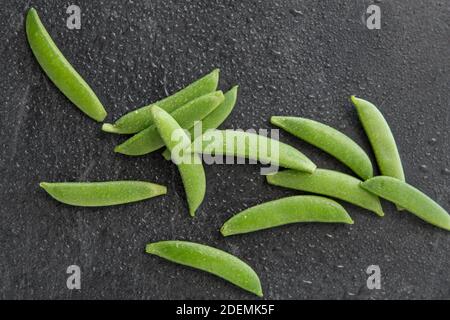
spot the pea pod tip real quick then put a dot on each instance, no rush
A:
(274, 119)
(108, 127)
(354, 99)
(219, 94)
(118, 149)
(160, 189)
(122, 149)
(149, 248)
(223, 231)
(43, 184)
(31, 10)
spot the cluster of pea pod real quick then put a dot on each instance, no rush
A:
(152, 127)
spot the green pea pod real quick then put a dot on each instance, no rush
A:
(191, 170)
(252, 146)
(59, 70)
(215, 118)
(329, 140)
(99, 194)
(381, 139)
(409, 198)
(149, 140)
(140, 119)
(209, 259)
(285, 211)
(330, 183)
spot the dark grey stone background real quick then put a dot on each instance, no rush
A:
(290, 58)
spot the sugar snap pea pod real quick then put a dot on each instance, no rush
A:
(330, 183)
(252, 146)
(409, 198)
(209, 259)
(140, 119)
(285, 211)
(192, 173)
(329, 140)
(381, 139)
(99, 194)
(215, 118)
(149, 140)
(59, 70)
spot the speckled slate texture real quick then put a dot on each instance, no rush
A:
(290, 58)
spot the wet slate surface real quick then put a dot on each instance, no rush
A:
(289, 58)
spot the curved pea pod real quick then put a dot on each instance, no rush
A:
(209, 259)
(141, 118)
(149, 140)
(409, 198)
(216, 117)
(329, 140)
(330, 183)
(59, 70)
(381, 139)
(286, 211)
(99, 194)
(189, 165)
(252, 146)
